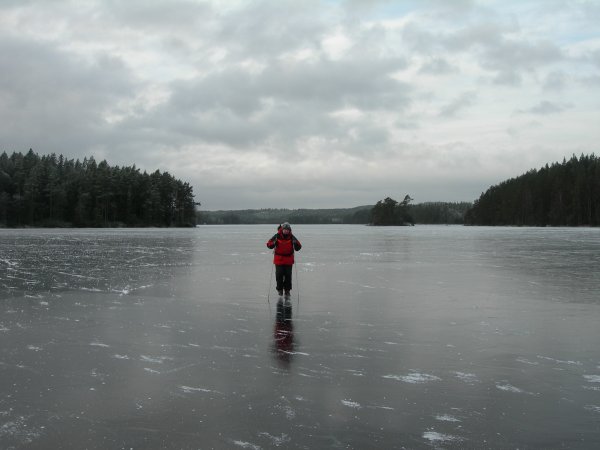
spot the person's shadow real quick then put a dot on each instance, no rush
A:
(283, 335)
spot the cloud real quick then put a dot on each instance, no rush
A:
(437, 66)
(595, 58)
(461, 102)
(343, 103)
(511, 57)
(555, 81)
(56, 100)
(546, 107)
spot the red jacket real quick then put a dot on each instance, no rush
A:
(284, 248)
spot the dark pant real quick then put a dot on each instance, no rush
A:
(283, 276)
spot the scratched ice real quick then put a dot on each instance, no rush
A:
(420, 337)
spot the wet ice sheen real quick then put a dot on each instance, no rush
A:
(420, 337)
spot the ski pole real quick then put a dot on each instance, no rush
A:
(270, 282)
(297, 283)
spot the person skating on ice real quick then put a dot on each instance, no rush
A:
(284, 244)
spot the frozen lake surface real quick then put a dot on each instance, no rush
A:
(420, 337)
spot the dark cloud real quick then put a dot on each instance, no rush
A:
(507, 57)
(54, 101)
(461, 102)
(510, 58)
(238, 108)
(546, 107)
(266, 28)
(173, 16)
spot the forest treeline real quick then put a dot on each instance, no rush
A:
(421, 213)
(54, 191)
(448, 213)
(391, 212)
(562, 194)
(357, 215)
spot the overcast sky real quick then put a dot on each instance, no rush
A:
(305, 104)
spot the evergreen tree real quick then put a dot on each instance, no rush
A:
(563, 194)
(54, 191)
(390, 212)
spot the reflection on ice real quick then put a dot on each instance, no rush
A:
(283, 334)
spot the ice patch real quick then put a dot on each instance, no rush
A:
(99, 344)
(289, 412)
(446, 418)
(95, 374)
(391, 343)
(3, 328)
(559, 361)
(510, 388)
(414, 378)
(157, 360)
(34, 348)
(592, 378)
(77, 275)
(147, 369)
(387, 408)
(526, 361)
(189, 390)
(351, 404)
(466, 377)
(276, 440)
(143, 287)
(244, 444)
(294, 353)
(354, 355)
(8, 262)
(593, 408)
(18, 429)
(434, 436)
(120, 356)
(125, 291)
